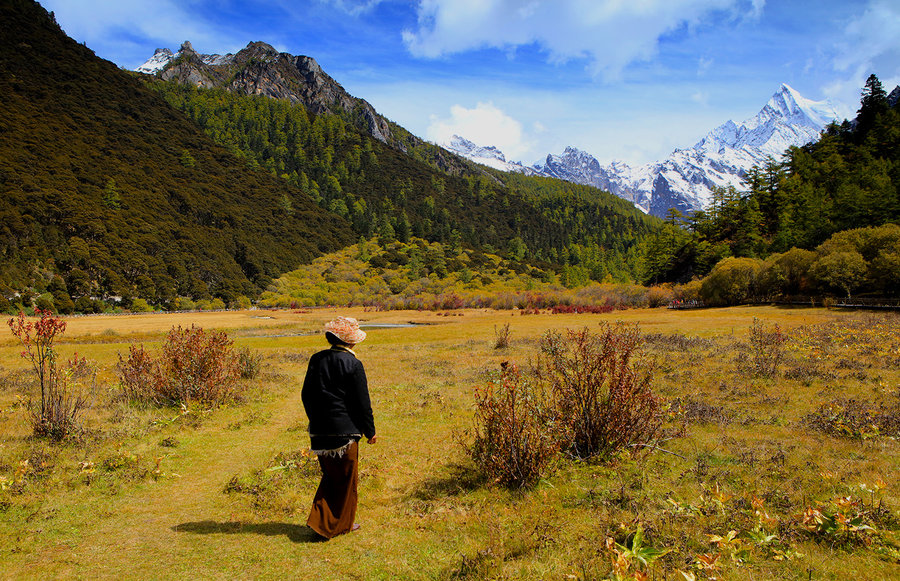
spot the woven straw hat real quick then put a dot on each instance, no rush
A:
(346, 329)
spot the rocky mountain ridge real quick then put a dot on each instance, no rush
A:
(259, 69)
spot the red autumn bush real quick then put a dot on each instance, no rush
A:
(585, 395)
(194, 366)
(64, 394)
(512, 444)
(599, 393)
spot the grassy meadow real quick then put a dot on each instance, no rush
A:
(793, 476)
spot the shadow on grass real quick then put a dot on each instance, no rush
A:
(450, 480)
(296, 533)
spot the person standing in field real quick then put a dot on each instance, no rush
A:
(336, 399)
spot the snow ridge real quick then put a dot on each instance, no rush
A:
(163, 56)
(685, 180)
(489, 156)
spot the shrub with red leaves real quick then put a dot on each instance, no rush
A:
(194, 366)
(600, 394)
(62, 400)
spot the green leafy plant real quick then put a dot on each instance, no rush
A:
(630, 560)
(843, 520)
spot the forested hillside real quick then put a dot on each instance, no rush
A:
(110, 193)
(847, 180)
(385, 192)
(105, 190)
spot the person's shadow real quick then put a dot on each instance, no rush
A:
(296, 533)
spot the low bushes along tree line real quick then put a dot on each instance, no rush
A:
(859, 261)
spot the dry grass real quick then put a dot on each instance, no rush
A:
(142, 495)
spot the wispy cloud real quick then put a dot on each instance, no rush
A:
(701, 98)
(353, 7)
(870, 44)
(122, 29)
(609, 34)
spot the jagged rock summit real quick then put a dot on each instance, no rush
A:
(259, 69)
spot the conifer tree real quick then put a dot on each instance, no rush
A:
(873, 103)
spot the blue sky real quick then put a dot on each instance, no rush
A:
(622, 79)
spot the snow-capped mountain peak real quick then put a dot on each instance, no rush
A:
(686, 179)
(163, 56)
(485, 155)
(468, 148)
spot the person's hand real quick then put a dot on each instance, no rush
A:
(373, 439)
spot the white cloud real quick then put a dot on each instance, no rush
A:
(871, 44)
(354, 7)
(610, 34)
(701, 98)
(484, 125)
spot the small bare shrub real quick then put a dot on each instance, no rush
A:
(805, 370)
(766, 349)
(249, 363)
(194, 366)
(698, 411)
(855, 419)
(599, 393)
(15, 381)
(676, 341)
(512, 443)
(501, 336)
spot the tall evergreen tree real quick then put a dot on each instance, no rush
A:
(872, 104)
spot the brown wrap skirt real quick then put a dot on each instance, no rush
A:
(334, 506)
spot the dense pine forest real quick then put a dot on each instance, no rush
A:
(579, 230)
(106, 191)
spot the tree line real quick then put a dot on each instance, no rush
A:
(793, 213)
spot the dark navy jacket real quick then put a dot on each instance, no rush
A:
(336, 395)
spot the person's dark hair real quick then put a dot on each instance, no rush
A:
(333, 339)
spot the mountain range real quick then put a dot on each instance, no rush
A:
(216, 175)
(686, 179)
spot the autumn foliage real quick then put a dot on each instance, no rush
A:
(585, 396)
(62, 399)
(194, 366)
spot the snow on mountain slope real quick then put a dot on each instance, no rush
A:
(489, 156)
(163, 56)
(686, 179)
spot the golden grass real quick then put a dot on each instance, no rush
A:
(422, 516)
